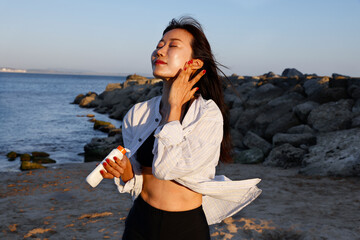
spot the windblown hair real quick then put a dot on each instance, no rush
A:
(210, 85)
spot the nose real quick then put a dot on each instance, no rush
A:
(160, 51)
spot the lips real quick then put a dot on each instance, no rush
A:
(159, 62)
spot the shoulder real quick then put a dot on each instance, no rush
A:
(145, 105)
(211, 110)
(142, 108)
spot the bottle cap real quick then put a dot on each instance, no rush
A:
(121, 149)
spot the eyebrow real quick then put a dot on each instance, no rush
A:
(172, 39)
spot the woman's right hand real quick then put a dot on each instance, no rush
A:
(118, 168)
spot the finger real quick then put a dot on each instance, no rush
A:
(197, 77)
(115, 166)
(121, 162)
(193, 91)
(106, 174)
(111, 170)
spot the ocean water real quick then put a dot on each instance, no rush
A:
(36, 114)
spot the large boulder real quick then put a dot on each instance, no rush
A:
(292, 73)
(86, 101)
(113, 86)
(356, 108)
(285, 156)
(331, 116)
(282, 124)
(302, 110)
(27, 165)
(249, 156)
(295, 140)
(335, 154)
(99, 148)
(103, 126)
(303, 128)
(263, 95)
(252, 140)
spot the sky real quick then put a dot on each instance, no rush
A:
(249, 37)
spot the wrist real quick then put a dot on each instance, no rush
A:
(175, 113)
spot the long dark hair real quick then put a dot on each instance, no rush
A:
(210, 85)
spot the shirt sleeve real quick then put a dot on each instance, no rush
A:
(179, 152)
(134, 185)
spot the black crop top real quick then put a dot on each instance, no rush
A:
(144, 153)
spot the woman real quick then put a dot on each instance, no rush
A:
(176, 141)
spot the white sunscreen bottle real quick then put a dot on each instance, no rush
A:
(95, 177)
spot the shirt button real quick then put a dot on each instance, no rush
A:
(140, 139)
(156, 119)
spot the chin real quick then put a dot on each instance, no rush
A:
(164, 76)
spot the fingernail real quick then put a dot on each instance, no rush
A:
(197, 89)
(204, 71)
(191, 61)
(185, 68)
(102, 171)
(104, 163)
(115, 158)
(107, 160)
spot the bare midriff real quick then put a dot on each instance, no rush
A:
(168, 195)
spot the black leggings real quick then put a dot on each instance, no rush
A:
(147, 222)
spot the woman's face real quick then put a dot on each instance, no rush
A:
(171, 53)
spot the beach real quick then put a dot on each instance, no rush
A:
(57, 203)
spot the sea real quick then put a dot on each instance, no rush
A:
(36, 114)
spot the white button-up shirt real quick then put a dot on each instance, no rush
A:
(187, 153)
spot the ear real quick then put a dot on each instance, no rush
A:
(197, 64)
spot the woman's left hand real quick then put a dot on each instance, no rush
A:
(182, 87)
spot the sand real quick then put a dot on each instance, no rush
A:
(56, 203)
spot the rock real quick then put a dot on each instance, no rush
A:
(355, 122)
(303, 128)
(113, 132)
(312, 86)
(43, 160)
(252, 140)
(12, 155)
(113, 86)
(356, 108)
(335, 154)
(27, 165)
(103, 126)
(250, 156)
(288, 100)
(302, 110)
(40, 154)
(338, 82)
(234, 114)
(134, 79)
(282, 124)
(236, 138)
(285, 156)
(295, 140)
(331, 116)
(271, 75)
(25, 157)
(292, 72)
(86, 101)
(354, 91)
(339, 76)
(99, 148)
(78, 98)
(263, 95)
(245, 119)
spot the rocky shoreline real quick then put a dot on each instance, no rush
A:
(290, 120)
